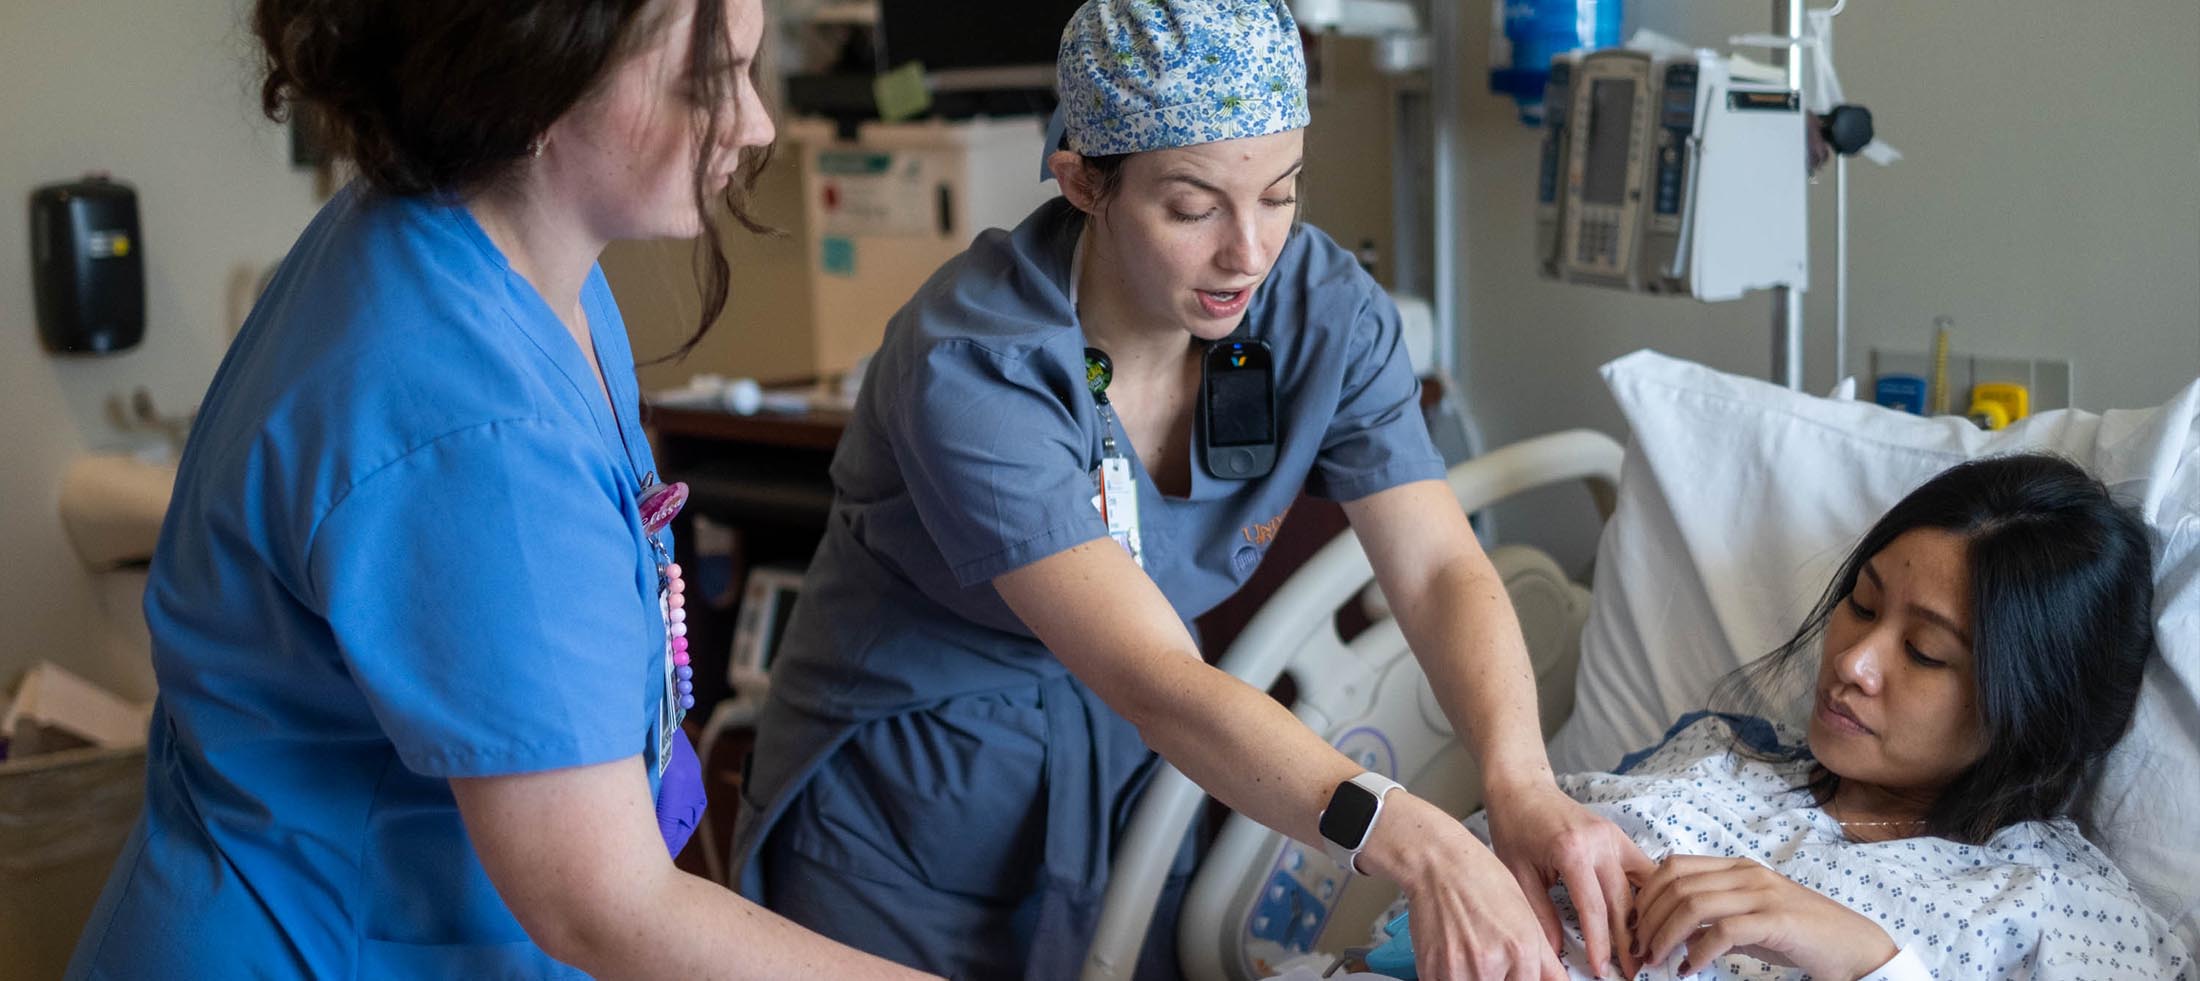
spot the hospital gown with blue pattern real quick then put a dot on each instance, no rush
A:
(2037, 900)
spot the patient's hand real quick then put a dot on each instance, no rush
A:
(1718, 905)
(1546, 838)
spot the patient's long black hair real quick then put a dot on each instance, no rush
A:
(2062, 624)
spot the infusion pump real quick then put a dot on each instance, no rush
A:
(1668, 175)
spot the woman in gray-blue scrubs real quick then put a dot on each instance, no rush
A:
(991, 645)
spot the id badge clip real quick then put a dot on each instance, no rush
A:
(1115, 488)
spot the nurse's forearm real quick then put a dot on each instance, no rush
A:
(576, 856)
(1456, 615)
(689, 927)
(1114, 630)
(1251, 753)
(1240, 745)
(1461, 621)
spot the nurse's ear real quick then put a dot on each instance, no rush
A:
(1079, 181)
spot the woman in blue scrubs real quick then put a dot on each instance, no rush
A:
(975, 683)
(416, 641)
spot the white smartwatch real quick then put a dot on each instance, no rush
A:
(1350, 817)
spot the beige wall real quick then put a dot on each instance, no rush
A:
(763, 333)
(1346, 191)
(160, 94)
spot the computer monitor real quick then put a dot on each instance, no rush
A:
(767, 602)
(1014, 48)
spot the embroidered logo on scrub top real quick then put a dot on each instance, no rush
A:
(1262, 533)
(1258, 536)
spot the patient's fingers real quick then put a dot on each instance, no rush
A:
(1723, 936)
(1669, 871)
(1657, 903)
(1701, 899)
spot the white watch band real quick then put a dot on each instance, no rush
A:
(1348, 854)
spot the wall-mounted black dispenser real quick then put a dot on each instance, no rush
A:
(87, 266)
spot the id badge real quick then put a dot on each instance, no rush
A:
(1117, 499)
(668, 702)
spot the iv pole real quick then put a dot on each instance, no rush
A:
(1787, 302)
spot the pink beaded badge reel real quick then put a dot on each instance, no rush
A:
(660, 504)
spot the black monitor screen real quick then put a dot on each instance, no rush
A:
(972, 33)
(782, 612)
(1238, 409)
(1611, 125)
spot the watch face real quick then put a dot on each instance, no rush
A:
(1351, 809)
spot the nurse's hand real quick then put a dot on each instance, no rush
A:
(1470, 922)
(1547, 838)
(680, 796)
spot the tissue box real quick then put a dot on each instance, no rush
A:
(56, 710)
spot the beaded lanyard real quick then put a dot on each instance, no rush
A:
(660, 503)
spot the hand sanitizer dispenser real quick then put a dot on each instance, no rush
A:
(87, 266)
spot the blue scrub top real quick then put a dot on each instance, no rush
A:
(403, 548)
(971, 453)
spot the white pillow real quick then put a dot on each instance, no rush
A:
(1739, 498)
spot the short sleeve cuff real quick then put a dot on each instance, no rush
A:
(582, 749)
(1359, 485)
(1060, 538)
(1906, 966)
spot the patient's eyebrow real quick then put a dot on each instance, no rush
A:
(1925, 613)
(1942, 620)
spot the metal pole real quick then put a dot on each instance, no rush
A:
(1840, 266)
(1412, 224)
(1447, 107)
(1787, 303)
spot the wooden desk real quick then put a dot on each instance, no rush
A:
(815, 430)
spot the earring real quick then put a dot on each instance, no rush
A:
(534, 149)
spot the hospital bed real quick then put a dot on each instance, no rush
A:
(1738, 499)
(1260, 898)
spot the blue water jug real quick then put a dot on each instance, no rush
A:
(1534, 31)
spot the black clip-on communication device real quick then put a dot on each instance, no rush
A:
(1237, 409)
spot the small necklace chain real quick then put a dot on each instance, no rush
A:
(1911, 823)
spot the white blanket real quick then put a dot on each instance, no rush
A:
(2037, 901)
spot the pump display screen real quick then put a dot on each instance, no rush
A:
(1611, 125)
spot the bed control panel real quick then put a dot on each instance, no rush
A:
(1303, 884)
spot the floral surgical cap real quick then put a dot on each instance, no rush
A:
(1139, 75)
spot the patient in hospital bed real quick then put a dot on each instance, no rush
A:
(1976, 657)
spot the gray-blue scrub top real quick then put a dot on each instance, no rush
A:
(971, 453)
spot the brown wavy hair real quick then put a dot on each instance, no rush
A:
(445, 96)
